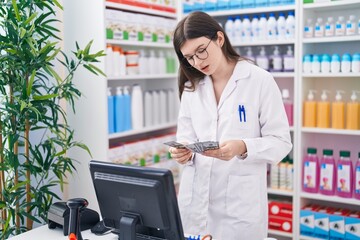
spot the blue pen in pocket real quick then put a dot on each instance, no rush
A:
(242, 113)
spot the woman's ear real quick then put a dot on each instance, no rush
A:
(220, 38)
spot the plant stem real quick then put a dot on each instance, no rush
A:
(2, 174)
(16, 181)
(27, 156)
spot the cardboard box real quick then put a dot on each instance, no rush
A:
(337, 223)
(307, 222)
(280, 209)
(352, 226)
(280, 224)
(321, 222)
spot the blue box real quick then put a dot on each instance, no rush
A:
(352, 226)
(321, 223)
(223, 4)
(210, 5)
(307, 220)
(337, 224)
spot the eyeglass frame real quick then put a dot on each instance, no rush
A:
(195, 54)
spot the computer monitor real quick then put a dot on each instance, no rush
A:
(137, 202)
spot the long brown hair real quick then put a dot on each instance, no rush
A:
(195, 25)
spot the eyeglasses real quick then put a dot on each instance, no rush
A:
(200, 53)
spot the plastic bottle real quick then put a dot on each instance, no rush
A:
(346, 63)
(329, 27)
(229, 29)
(255, 28)
(290, 174)
(282, 173)
(237, 27)
(335, 63)
(152, 62)
(276, 61)
(119, 111)
(289, 60)
(325, 63)
(171, 105)
(310, 177)
(353, 112)
(137, 107)
(351, 25)
(163, 108)
(310, 107)
(262, 60)
(309, 29)
(111, 110)
(117, 65)
(109, 61)
(344, 175)
(340, 26)
(148, 108)
(319, 28)
(122, 62)
(307, 63)
(338, 112)
(271, 27)
(323, 111)
(290, 26)
(161, 63)
(274, 176)
(262, 27)
(355, 63)
(127, 109)
(289, 107)
(143, 63)
(281, 26)
(246, 26)
(357, 179)
(327, 173)
(249, 54)
(315, 64)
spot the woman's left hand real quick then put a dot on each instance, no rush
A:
(227, 150)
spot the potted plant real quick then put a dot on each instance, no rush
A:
(31, 93)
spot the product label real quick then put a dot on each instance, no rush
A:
(357, 180)
(343, 180)
(329, 30)
(326, 176)
(309, 174)
(339, 29)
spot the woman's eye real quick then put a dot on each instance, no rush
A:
(201, 50)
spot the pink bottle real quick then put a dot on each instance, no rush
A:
(310, 172)
(289, 107)
(357, 179)
(327, 173)
(344, 175)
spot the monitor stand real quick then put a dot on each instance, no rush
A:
(128, 227)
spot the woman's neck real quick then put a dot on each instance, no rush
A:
(224, 72)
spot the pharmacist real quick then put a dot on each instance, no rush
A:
(225, 98)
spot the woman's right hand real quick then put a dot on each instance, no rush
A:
(181, 155)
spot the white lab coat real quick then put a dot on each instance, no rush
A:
(228, 199)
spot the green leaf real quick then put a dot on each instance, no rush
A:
(45, 97)
(16, 10)
(30, 18)
(53, 73)
(31, 81)
(22, 32)
(97, 69)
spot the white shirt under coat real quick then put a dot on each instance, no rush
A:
(229, 198)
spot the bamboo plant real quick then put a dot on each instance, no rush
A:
(34, 133)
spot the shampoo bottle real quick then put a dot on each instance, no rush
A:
(307, 63)
(148, 108)
(357, 179)
(262, 60)
(325, 63)
(338, 112)
(335, 63)
(276, 61)
(323, 111)
(355, 63)
(327, 173)
(137, 108)
(310, 173)
(111, 109)
(127, 109)
(289, 61)
(109, 61)
(344, 175)
(346, 63)
(310, 110)
(288, 106)
(353, 112)
(329, 27)
(315, 64)
(119, 111)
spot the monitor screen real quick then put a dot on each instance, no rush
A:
(137, 201)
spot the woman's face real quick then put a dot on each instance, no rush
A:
(203, 54)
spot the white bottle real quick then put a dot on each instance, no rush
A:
(335, 63)
(325, 63)
(315, 64)
(249, 54)
(148, 108)
(262, 27)
(137, 108)
(246, 26)
(161, 63)
(156, 108)
(237, 30)
(329, 27)
(262, 60)
(271, 27)
(143, 63)
(229, 29)
(171, 98)
(289, 60)
(340, 26)
(307, 63)
(355, 63)
(309, 29)
(319, 28)
(276, 61)
(281, 26)
(109, 61)
(346, 63)
(122, 61)
(290, 26)
(152, 62)
(255, 28)
(351, 26)
(163, 108)
(117, 65)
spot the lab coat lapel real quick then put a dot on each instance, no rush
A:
(209, 95)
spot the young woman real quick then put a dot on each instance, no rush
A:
(225, 98)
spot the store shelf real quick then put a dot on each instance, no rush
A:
(140, 131)
(263, 43)
(333, 5)
(283, 74)
(337, 75)
(127, 7)
(252, 10)
(142, 77)
(280, 233)
(139, 44)
(317, 196)
(337, 39)
(280, 192)
(302, 237)
(331, 131)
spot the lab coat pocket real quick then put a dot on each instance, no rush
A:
(242, 120)
(243, 197)
(186, 186)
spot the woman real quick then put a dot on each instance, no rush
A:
(223, 192)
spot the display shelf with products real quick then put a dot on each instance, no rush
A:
(232, 12)
(143, 77)
(280, 192)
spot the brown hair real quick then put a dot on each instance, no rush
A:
(195, 25)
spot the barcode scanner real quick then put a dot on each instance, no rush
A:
(75, 205)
